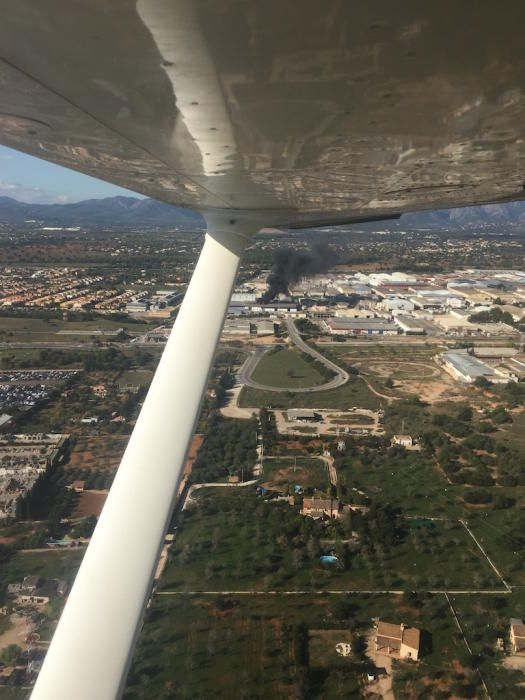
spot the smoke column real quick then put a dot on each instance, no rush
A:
(290, 265)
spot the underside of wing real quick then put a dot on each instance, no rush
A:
(305, 112)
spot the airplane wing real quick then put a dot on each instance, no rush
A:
(339, 112)
(256, 113)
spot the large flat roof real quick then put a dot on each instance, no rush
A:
(467, 364)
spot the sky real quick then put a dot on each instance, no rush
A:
(36, 181)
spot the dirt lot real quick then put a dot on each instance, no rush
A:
(89, 503)
(515, 663)
(422, 378)
(21, 626)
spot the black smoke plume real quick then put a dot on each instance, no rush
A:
(290, 265)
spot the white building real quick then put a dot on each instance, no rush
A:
(466, 368)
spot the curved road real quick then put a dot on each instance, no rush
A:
(246, 371)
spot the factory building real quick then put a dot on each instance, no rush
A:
(138, 306)
(361, 326)
(236, 326)
(410, 325)
(244, 297)
(396, 305)
(466, 368)
(302, 415)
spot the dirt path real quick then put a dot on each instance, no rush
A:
(376, 392)
(332, 471)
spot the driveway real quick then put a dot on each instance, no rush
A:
(383, 685)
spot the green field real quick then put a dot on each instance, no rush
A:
(354, 393)
(288, 369)
(19, 330)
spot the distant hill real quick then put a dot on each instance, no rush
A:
(111, 211)
(466, 217)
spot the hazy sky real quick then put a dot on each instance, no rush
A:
(30, 179)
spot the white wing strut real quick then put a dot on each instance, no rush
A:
(92, 647)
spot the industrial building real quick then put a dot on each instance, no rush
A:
(362, 326)
(410, 325)
(302, 415)
(237, 326)
(467, 368)
(138, 306)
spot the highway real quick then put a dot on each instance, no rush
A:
(247, 369)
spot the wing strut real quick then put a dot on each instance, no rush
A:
(93, 644)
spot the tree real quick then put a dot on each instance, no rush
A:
(482, 383)
(10, 654)
(500, 415)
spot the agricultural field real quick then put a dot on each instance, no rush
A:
(288, 369)
(237, 544)
(95, 453)
(260, 647)
(87, 504)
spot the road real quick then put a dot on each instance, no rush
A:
(246, 371)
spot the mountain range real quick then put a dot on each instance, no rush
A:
(465, 217)
(110, 211)
(126, 211)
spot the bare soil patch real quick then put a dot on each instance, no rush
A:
(89, 503)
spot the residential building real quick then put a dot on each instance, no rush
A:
(403, 440)
(321, 507)
(398, 640)
(517, 636)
